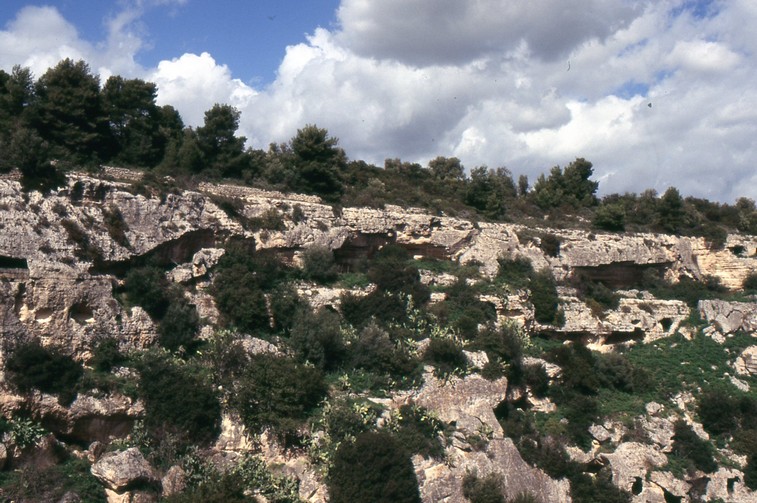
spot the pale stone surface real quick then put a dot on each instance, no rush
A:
(174, 481)
(631, 460)
(123, 469)
(746, 363)
(718, 487)
(468, 404)
(668, 482)
(729, 317)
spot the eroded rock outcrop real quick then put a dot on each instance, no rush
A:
(467, 404)
(729, 317)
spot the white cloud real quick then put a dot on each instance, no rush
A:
(38, 38)
(427, 32)
(193, 84)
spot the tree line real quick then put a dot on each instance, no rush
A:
(66, 119)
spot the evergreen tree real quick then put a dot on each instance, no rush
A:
(69, 114)
(222, 150)
(134, 121)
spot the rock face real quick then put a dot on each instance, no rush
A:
(120, 471)
(64, 256)
(746, 363)
(468, 405)
(729, 317)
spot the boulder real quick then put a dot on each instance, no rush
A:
(729, 317)
(122, 470)
(746, 363)
(631, 461)
(174, 481)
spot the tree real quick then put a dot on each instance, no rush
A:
(134, 121)
(489, 190)
(569, 187)
(69, 114)
(374, 468)
(17, 94)
(222, 150)
(317, 338)
(277, 392)
(670, 211)
(318, 162)
(447, 168)
(30, 154)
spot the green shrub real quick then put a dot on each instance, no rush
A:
(147, 287)
(116, 226)
(51, 483)
(374, 351)
(687, 445)
(514, 271)
(106, 354)
(719, 412)
(550, 244)
(617, 372)
(374, 468)
(32, 366)
(318, 264)
(317, 338)
(418, 431)
(284, 303)
(179, 326)
(750, 472)
(277, 392)
(177, 400)
(544, 297)
(610, 217)
(537, 379)
(446, 355)
(750, 283)
(483, 490)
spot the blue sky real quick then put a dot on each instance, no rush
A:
(249, 36)
(524, 85)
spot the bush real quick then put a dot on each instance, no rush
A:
(483, 490)
(544, 297)
(106, 355)
(610, 217)
(418, 431)
(719, 412)
(177, 401)
(750, 472)
(317, 338)
(318, 264)
(750, 283)
(32, 366)
(374, 351)
(446, 355)
(374, 468)
(147, 287)
(179, 326)
(277, 392)
(550, 244)
(514, 271)
(688, 445)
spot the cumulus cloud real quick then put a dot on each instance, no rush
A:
(38, 38)
(193, 84)
(427, 32)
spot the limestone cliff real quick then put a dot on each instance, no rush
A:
(62, 257)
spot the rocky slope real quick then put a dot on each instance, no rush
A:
(61, 256)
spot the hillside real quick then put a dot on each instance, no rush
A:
(222, 342)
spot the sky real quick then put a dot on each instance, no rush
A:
(654, 93)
